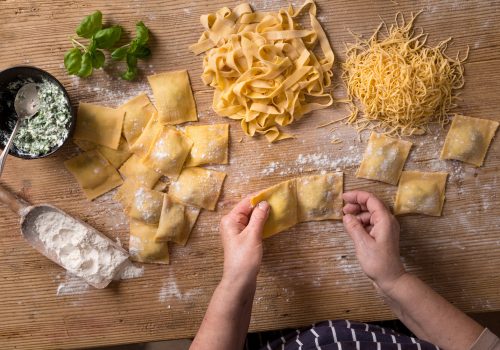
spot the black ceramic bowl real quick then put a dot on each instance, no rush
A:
(7, 97)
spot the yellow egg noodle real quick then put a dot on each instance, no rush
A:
(263, 68)
(402, 83)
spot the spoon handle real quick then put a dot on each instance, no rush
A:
(16, 204)
(5, 152)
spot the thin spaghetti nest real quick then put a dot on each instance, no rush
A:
(402, 84)
(263, 68)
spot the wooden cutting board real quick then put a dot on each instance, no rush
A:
(309, 273)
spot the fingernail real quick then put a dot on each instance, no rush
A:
(263, 205)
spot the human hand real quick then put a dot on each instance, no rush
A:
(241, 233)
(375, 232)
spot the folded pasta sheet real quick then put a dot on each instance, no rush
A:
(143, 247)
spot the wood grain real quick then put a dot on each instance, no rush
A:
(309, 273)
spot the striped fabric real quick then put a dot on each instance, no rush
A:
(343, 335)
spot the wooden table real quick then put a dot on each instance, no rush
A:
(309, 273)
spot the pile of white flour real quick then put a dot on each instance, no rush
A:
(79, 248)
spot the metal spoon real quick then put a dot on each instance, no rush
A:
(26, 106)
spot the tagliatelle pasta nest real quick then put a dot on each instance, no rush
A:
(402, 84)
(263, 68)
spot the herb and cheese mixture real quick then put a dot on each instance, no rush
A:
(49, 127)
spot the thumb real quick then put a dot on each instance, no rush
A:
(356, 230)
(258, 218)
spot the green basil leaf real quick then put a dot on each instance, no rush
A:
(142, 52)
(130, 74)
(141, 33)
(131, 61)
(86, 67)
(98, 59)
(90, 25)
(73, 60)
(120, 53)
(107, 38)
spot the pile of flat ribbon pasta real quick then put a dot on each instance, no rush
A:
(263, 68)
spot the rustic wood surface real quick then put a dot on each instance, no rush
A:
(309, 273)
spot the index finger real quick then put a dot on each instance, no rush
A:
(365, 199)
(243, 207)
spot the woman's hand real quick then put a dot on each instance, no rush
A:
(241, 233)
(375, 232)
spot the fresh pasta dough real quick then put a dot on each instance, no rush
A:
(176, 221)
(116, 157)
(420, 193)
(264, 68)
(168, 152)
(135, 169)
(143, 143)
(99, 124)
(468, 139)
(282, 199)
(198, 187)
(174, 98)
(140, 203)
(142, 245)
(138, 111)
(384, 158)
(210, 144)
(93, 173)
(319, 197)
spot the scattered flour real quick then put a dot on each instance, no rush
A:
(78, 248)
(170, 290)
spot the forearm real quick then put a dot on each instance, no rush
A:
(226, 321)
(429, 315)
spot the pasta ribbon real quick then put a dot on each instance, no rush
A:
(263, 68)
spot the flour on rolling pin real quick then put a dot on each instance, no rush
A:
(81, 250)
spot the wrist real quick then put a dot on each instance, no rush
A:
(387, 286)
(239, 281)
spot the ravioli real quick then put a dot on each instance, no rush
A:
(138, 111)
(168, 152)
(174, 98)
(468, 139)
(99, 124)
(176, 221)
(116, 157)
(384, 159)
(282, 199)
(142, 144)
(210, 144)
(142, 245)
(93, 173)
(420, 193)
(319, 197)
(198, 187)
(135, 169)
(140, 203)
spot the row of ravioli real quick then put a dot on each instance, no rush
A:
(318, 197)
(156, 164)
(419, 192)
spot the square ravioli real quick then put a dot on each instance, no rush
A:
(283, 201)
(420, 193)
(176, 221)
(468, 139)
(140, 203)
(138, 111)
(174, 97)
(142, 245)
(135, 169)
(99, 124)
(168, 152)
(319, 197)
(142, 144)
(384, 159)
(198, 187)
(116, 157)
(94, 173)
(210, 144)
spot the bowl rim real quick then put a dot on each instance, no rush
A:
(72, 125)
